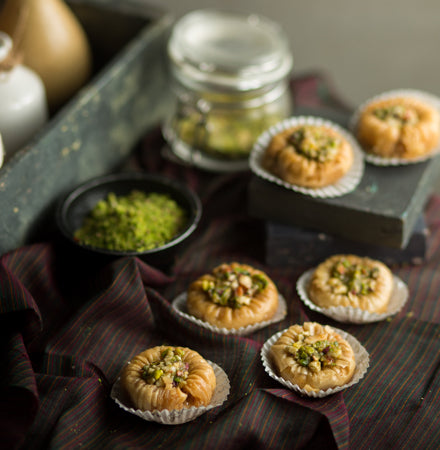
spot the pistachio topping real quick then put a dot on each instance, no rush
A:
(234, 287)
(314, 143)
(317, 355)
(397, 114)
(353, 279)
(169, 371)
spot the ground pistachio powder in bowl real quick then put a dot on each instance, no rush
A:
(138, 222)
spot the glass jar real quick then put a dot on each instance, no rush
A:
(229, 76)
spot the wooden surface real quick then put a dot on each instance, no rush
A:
(293, 246)
(95, 131)
(383, 210)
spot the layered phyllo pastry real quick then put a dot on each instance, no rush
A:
(314, 357)
(308, 155)
(350, 280)
(171, 378)
(401, 127)
(233, 296)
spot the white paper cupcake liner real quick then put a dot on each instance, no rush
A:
(361, 356)
(175, 417)
(344, 185)
(179, 304)
(383, 161)
(349, 314)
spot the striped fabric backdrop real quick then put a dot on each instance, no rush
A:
(69, 324)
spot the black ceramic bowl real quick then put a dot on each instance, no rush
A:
(77, 204)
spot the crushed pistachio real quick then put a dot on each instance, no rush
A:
(353, 279)
(314, 143)
(397, 114)
(224, 134)
(169, 371)
(314, 355)
(234, 287)
(138, 221)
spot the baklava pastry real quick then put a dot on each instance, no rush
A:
(314, 357)
(308, 155)
(169, 378)
(350, 280)
(401, 127)
(233, 296)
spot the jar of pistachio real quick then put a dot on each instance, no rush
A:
(229, 77)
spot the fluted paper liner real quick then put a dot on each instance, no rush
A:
(179, 304)
(177, 416)
(344, 185)
(384, 161)
(349, 314)
(361, 357)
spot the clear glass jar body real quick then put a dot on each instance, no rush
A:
(223, 127)
(222, 105)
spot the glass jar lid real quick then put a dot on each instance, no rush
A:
(228, 51)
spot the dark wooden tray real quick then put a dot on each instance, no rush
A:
(98, 128)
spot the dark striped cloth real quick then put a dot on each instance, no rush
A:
(69, 324)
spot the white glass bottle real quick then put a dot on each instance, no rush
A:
(229, 75)
(23, 106)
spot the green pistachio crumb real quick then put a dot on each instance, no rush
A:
(314, 143)
(316, 355)
(135, 222)
(234, 287)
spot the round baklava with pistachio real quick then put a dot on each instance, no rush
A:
(307, 155)
(402, 127)
(313, 356)
(350, 280)
(165, 377)
(233, 296)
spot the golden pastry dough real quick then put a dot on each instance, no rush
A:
(400, 127)
(350, 280)
(170, 378)
(233, 296)
(312, 156)
(314, 357)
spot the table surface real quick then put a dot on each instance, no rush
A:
(69, 324)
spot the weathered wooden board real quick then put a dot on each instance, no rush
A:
(383, 210)
(287, 245)
(98, 128)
